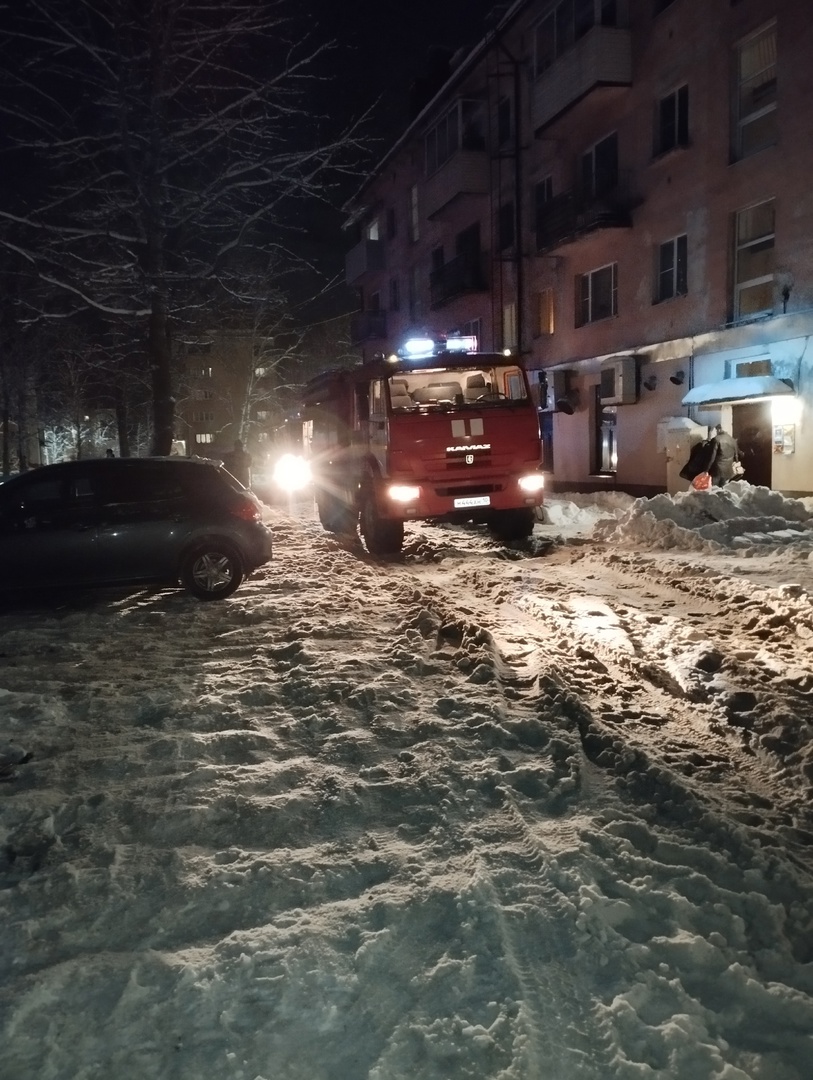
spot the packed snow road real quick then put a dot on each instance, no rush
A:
(529, 813)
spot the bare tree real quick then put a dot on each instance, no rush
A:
(158, 138)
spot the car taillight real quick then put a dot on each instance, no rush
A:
(246, 510)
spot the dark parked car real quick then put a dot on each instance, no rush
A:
(123, 521)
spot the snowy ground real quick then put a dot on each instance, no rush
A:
(529, 813)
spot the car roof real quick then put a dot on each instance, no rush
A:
(113, 464)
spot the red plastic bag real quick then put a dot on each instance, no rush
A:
(702, 482)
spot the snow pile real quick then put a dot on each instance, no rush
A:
(738, 518)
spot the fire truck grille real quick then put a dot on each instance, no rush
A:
(461, 492)
(457, 460)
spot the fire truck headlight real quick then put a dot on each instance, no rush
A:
(292, 473)
(532, 483)
(404, 493)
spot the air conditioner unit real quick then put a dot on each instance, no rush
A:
(558, 396)
(619, 381)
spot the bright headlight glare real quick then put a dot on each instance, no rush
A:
(403, 493)
(292, 473)
(532, 482)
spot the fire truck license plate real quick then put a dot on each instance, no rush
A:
(475, 500)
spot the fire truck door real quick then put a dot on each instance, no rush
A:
(378, 424)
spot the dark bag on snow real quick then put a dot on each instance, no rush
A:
(701, 458)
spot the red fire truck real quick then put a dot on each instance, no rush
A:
(438, 431)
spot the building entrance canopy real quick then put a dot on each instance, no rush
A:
(737, 391)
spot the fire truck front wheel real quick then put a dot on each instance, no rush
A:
(335, 516)
(382, 536)
(509, 525)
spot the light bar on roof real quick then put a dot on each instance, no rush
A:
(462, 343)
(416, 347)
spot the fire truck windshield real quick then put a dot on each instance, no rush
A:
(490, 385)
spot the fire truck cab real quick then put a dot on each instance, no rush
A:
(438, 431)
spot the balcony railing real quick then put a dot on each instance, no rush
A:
(465, 173)
(366, 257)
(461, 275)
(603, 57)
(368, 326)
(574, 213)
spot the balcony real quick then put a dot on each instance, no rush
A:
(368, 326)
(366, 257)
(462, 275)
(603, 57)
(465, 173)
(571, 215)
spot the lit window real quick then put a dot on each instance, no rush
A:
(544, 313)
(754, 261)
(373, 230)
(203, 437)
(597, 294)
(755, 105)
(671, 276)
(260, 371)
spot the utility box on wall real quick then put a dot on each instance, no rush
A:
(557, 396)
(619, 381)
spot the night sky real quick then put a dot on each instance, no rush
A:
(385, 48)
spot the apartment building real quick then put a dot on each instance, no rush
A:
(227, 392)
(620, 191)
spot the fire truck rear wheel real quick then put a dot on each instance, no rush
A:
(516, 524)
(335, 516)
(381, 535)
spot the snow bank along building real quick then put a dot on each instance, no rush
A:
(622, 191)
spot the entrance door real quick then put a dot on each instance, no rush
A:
(751, 427)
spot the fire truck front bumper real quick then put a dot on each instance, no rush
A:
(440, 499)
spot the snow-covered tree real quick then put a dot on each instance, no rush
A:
(157, 145)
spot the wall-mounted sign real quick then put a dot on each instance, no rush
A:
(784, 438)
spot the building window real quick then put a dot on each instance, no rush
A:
(202, 417)
(544, 313)
(372, 231)
(505, 226)
(671, 277)
(395, 295)
(597, 294)
(543, 193)
(203, 372)
(755, 104)
(754, 261)
(263, 414)
(260, 371)
(203, 395)
(204, 437)
(569, 21)
(462, 127)
(504, 121)
(374, 301)
(473, 328)
(414, 216)
(414, 296)
(600, 167)
(509, 326)
(672, 121)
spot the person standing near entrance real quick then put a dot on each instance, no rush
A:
(722, 465)
(238, 462)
